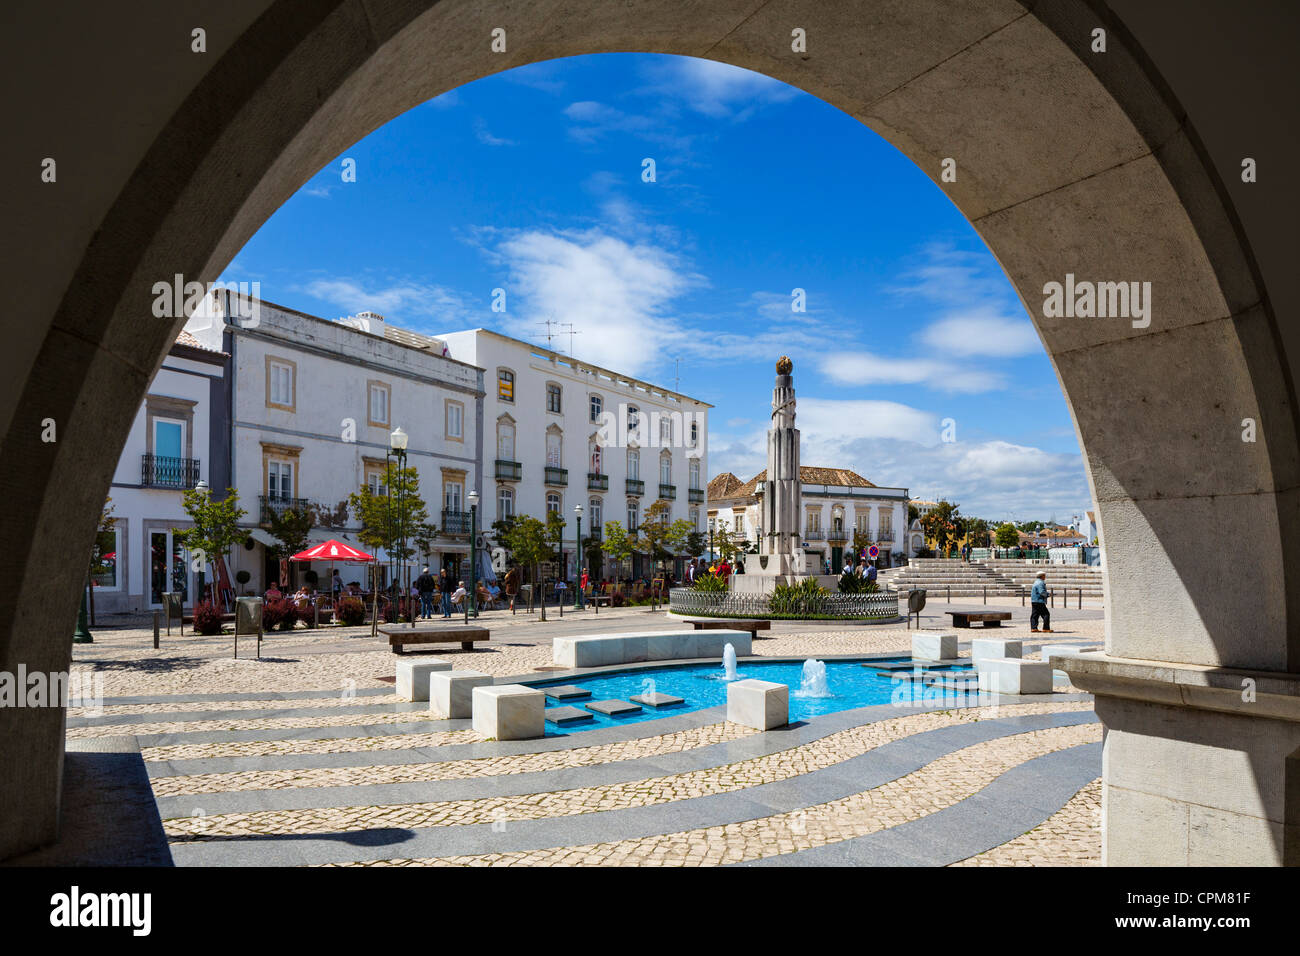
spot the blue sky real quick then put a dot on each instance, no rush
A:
(531, 181)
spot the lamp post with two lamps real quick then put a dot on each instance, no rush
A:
(397, 443)
(473, 556)
(577, 560)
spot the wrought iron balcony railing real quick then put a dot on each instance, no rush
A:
(557, 476)
(159, 471)
(837, 534)
(635, 486)
(814, 534)
(597, 482)
(278, 505)
(455, 522)
(668, 492)
(509, 470)
(695, 496)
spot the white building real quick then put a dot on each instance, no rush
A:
(835, 503)
(179, 437)
(314, 404)
(560, 432)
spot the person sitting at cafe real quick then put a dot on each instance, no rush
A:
(273, 592)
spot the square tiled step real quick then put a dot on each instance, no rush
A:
(566, 715)
(613, 708)
(566, 692)
(890, 665)
(656, 699)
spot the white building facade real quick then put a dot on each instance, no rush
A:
(180, 437)
(836, 506)
(560, 432)
(314, 403)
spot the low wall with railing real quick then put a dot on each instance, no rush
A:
(880, 606)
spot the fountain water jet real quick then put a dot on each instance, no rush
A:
(813, 681)
(729, 662)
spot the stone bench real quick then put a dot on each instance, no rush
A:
(932, 646)
(1012, 675)
(730, 624)
(598, 650)
(413, 677)
(990, 618)
(451, 692)
(986, 647)
(400, 634)
(508, 712)
(759, 704)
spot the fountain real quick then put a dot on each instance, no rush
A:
(729, 662)
(813, 682)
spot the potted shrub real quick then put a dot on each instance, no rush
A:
(350, 612)
(207, 619)
(243, 577)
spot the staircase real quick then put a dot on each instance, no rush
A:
(942, 577)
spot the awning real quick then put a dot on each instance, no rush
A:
(264, 537)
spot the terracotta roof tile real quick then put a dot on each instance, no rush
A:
(189, 341)
(723, 486)
(811, 475)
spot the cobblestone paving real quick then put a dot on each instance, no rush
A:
(939, 784)
(1069, 837)
(325, 745)
(450, 769)
(783, 765)
(254, 723)
(172, 707)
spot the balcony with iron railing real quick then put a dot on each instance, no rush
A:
(635, 486)
(837, 534)
(667, 492)
(278, 505)
(885, 534)
(595, 534)
(814, 534)
(597, 482)
(509, 470)
(556, 476)
(455, 522)
(160, 471)
(695, 496)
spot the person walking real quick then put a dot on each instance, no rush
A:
(1038, 605)
(512, 585)
(871, 573)
(425, 585)
(445, 587)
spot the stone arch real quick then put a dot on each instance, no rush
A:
(1067, 164)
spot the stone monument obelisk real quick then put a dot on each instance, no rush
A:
(780, 559)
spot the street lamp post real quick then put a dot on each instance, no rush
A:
(577, 561)
(201, 488)
(398, 441)
(473, 555)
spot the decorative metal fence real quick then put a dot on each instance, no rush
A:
(881, 604)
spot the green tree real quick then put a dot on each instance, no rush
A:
(215, 529)
(386, 518)
(619, 546)
(912, 514)
(695, 544)
(1007, 536)
(978, 533)
(657, 536)
(943, 524)
(290, 527)
(529, 541)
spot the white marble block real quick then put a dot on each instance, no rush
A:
(451, 693)
(932, 646)
(598, 650)
(759, 704)
(1011, 675)
(985, 647)
(413, 676)
(509, 712)
(1064, 650)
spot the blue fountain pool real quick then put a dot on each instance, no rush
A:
(850, 685)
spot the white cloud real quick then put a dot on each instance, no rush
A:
(485, 136)
(403, 302)
(615, 292)
(715, 89)
(861, 369)
(982, 332)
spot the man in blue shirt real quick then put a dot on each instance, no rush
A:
(1038, 605)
